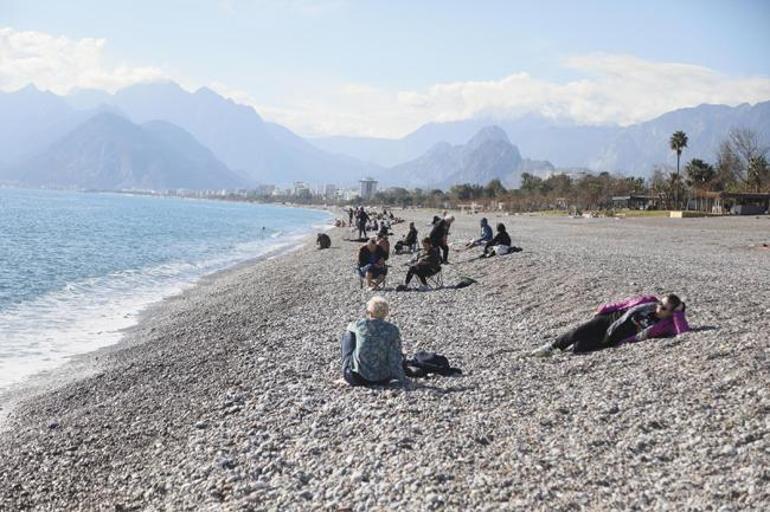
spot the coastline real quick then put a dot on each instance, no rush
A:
(85, 364)
(225, 396)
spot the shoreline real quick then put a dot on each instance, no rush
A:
(226, 397)
(85, 364)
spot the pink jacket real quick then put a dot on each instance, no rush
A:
(673, 326)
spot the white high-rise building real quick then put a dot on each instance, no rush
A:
(368, 188)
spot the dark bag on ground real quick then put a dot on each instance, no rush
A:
(424, 363)
(465, 281)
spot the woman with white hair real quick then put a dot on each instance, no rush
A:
(371, 348)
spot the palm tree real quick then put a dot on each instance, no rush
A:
(677, 143)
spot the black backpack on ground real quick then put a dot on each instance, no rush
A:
(424, 363)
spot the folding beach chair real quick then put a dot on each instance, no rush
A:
(436, 281)
(380, 282)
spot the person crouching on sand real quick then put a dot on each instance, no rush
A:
(626, 321)
(371, 349)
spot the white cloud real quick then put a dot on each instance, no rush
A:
(60, 64)
(611, 88)
(620, 89)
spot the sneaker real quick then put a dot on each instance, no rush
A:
(543, 351)
(424, 288)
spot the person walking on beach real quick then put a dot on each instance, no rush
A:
(371, 263)
(486, 234)
(371, 349)
(428, 263)
(439, 236)
(626, 321)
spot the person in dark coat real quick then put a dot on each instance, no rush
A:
(439, 236)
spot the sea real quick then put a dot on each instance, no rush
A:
(77, 268)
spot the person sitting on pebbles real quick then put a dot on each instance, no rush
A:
(371, 349)
(371, 263)
(626, 321)
(500, 244)
(485, 235)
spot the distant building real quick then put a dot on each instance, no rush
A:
(301, 189)
(368, 188)
(265, 190)
(330, 191)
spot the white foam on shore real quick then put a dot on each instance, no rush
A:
(42, 334)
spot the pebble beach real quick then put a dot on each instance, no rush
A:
(227, 396)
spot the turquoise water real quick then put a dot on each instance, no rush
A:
(75, 268)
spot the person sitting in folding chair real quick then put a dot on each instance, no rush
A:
(409, 243)
(428, 263)
(371, 264)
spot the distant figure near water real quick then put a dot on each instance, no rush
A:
(323, 241)
(626, 321)
(371, 348)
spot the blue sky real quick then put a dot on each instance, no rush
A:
(299, 61)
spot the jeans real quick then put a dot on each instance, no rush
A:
(375, 270)
(592, 335)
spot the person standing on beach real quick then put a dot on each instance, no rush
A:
(626, 321)
(371, 349)
(439, 236)
(362, 219)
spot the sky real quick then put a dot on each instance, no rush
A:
(384, 68)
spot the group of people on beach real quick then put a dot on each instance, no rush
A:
(371, 346)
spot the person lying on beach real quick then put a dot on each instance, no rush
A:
(428, 263)
(439, 236)
(626, 321)
(486, 235)
(371, 349)
(500, 244)
(371, 263)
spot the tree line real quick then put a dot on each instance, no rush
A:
(740, 165)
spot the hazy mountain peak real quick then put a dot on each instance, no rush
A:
(489, 133)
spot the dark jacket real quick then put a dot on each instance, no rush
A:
(366, 257)
(501, 238)
(411, 237)
(437, 234)
(431, 259)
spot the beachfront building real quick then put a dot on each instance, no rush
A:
(301, 189)
(330, 192)
(636, 202)
(721, 203)
(368, 188)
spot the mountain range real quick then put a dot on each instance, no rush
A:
(161, 136)
(488, 155)
(634, 149)
(36, 126)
